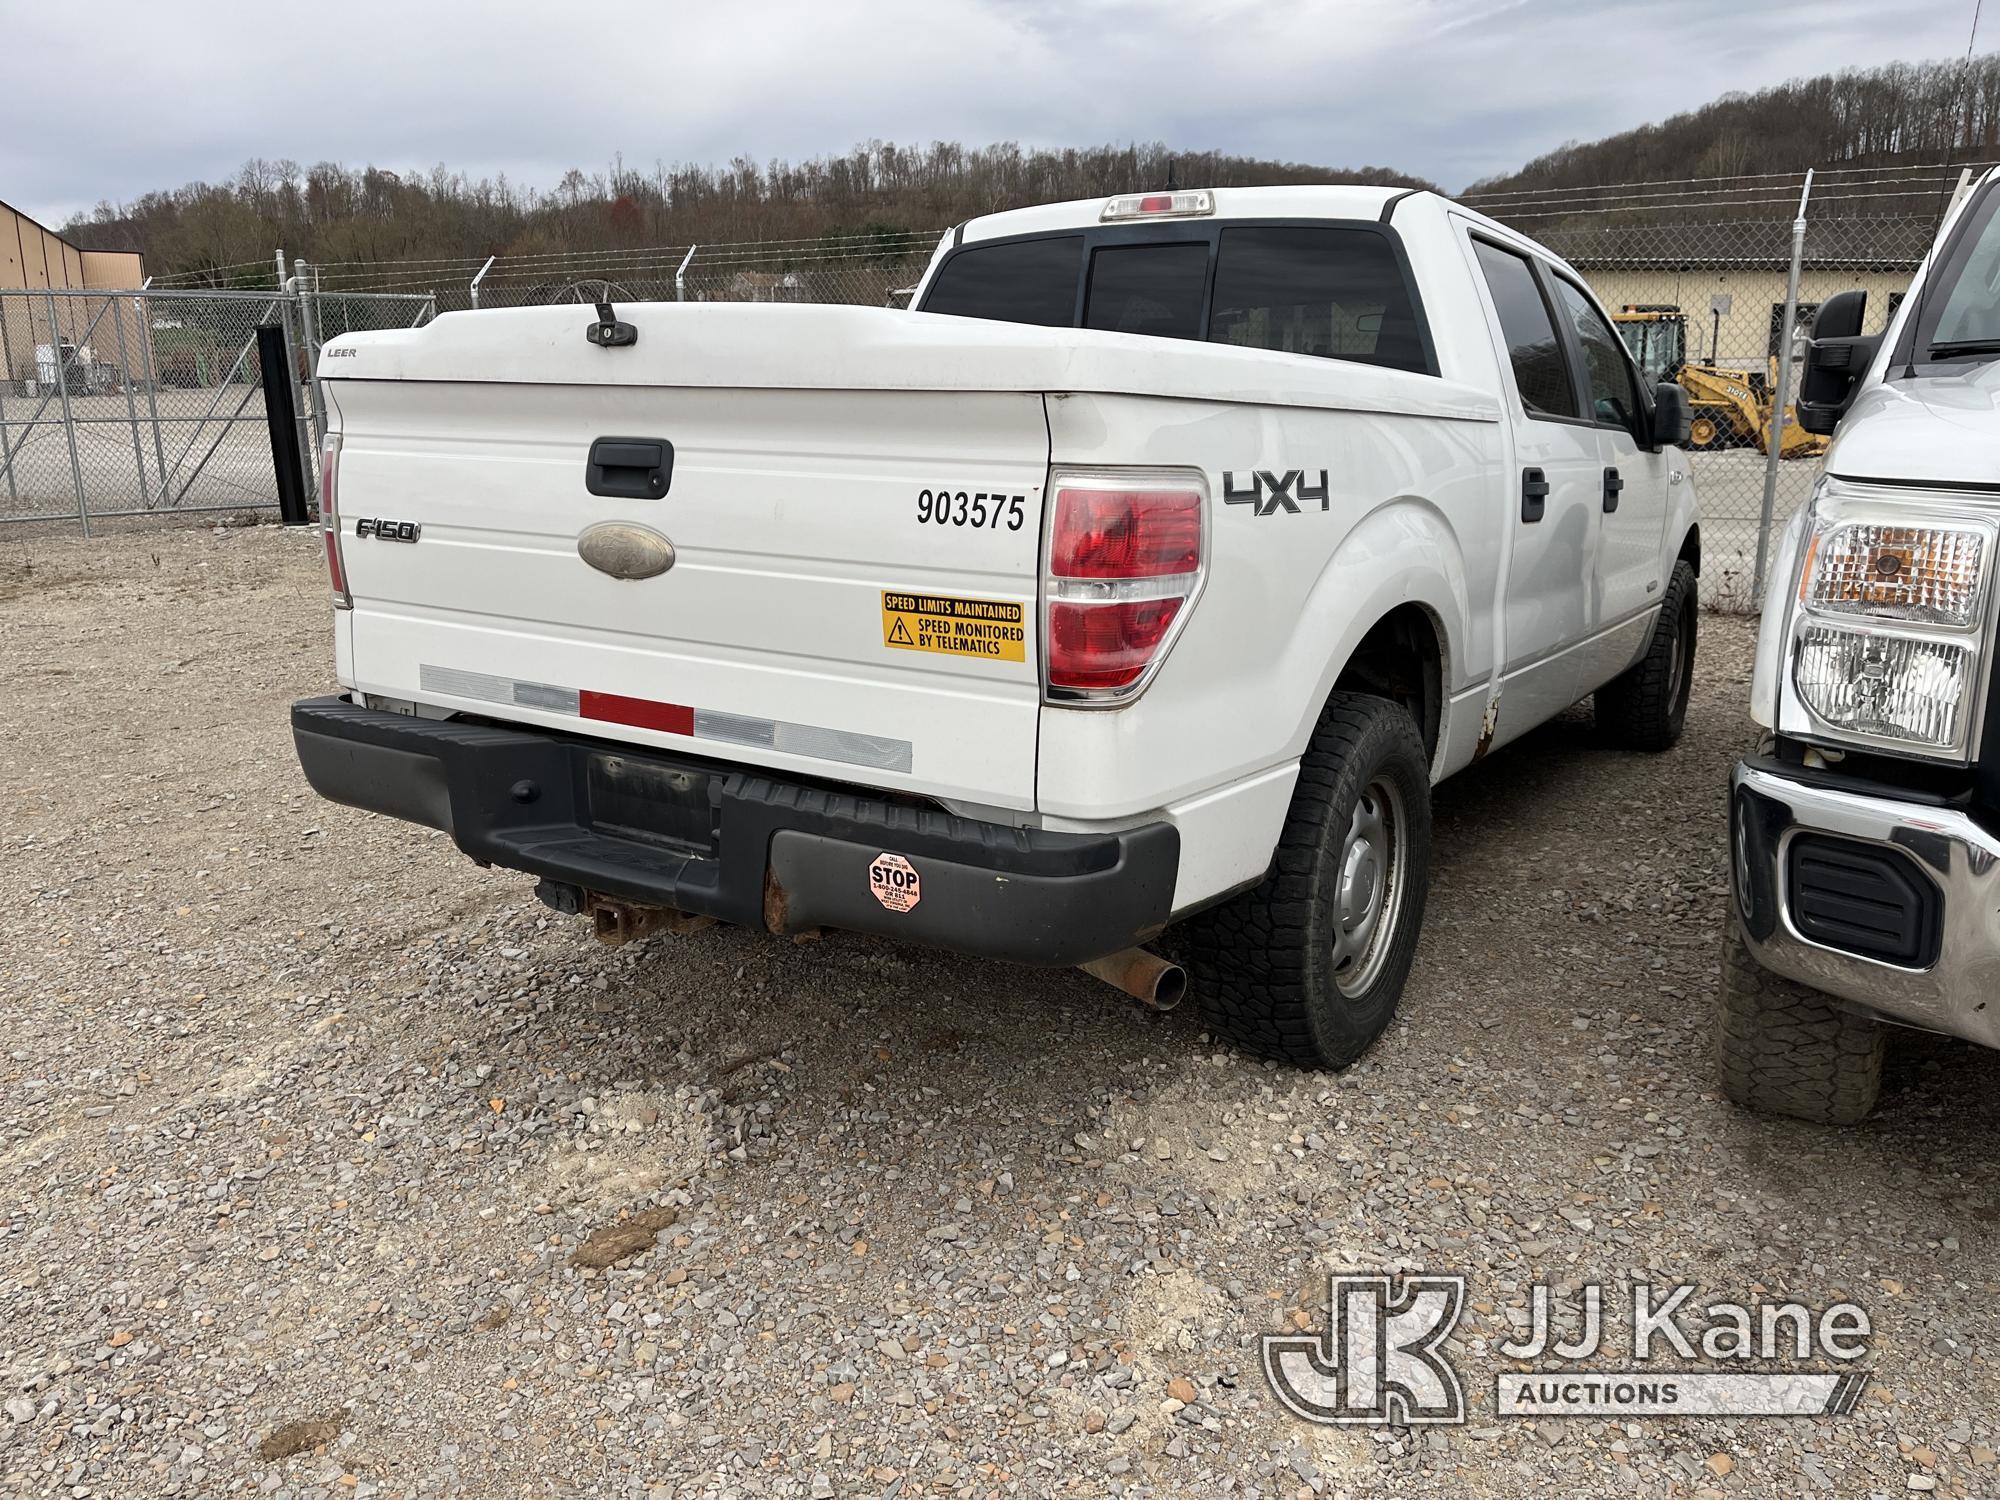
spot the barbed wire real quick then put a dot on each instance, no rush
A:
(1907, 169)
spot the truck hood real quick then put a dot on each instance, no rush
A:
(830, 347)
(1935, 429)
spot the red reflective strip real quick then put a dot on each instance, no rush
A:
(640, 713)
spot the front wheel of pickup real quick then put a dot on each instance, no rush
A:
(1646, 708)
(1308, 967)
(1786, 1049)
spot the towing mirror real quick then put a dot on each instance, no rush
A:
(1835, 361)
(1672, 419)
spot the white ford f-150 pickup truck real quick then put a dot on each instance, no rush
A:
(1152, 567)
(1866, 828)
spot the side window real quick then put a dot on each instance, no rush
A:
(1613, 397)
(1029, 281)
(1152, 289)
(1336, 293)
(1540, 368)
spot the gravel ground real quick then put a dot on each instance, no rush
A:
(307, 1121)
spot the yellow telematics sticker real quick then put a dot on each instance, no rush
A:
(954, 627)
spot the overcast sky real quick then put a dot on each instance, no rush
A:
(124, 96)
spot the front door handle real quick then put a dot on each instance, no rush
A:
(1534, 495)
(1612, 485)
(629, 468)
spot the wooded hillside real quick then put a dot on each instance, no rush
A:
(1897, 114)
(330, 213)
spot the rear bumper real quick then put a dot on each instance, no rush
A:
(1948, 865)
(727, 842)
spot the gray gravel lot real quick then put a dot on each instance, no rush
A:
(303, 1119)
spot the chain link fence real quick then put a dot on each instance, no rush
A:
(1702, 304)
(151, 403)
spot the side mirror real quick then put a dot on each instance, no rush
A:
(1835, 360)
(1672, 417)
(1841, 316)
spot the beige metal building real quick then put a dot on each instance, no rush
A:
(36, 258)
(1733, 312)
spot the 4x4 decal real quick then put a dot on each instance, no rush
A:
(1269, 493)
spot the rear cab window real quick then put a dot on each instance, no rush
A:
(1025, 281)
(1153, 289)
(1325, 290)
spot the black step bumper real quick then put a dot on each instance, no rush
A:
(731, 843)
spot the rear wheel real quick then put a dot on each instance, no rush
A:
(1308, 967)
(1646, 707)
(1785, 1049)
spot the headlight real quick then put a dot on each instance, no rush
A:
(1884, 685)
(1890, 617)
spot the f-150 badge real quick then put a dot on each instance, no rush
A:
(388, 531)
(1270, 493)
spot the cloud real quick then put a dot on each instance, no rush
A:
(1451, 90)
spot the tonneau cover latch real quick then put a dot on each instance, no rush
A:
(607, 332)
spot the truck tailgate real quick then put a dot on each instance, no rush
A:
(789, 630)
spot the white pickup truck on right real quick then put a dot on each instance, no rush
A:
(1866, 828)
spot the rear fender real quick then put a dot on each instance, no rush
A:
(1403, 552)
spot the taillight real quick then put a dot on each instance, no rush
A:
(329, 519)
(1125, 561)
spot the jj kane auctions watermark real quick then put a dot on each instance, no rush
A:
(1381, 1356)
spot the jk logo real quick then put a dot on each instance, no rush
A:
(1267, 493)
(1378, 1360)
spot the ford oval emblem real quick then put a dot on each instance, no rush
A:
(624, 550)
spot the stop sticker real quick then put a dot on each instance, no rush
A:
(895, 882)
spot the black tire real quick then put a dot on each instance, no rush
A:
(1785, 1049)
(1264, 964)
(1646, 707)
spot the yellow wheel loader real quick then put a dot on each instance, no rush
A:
(1731, 407)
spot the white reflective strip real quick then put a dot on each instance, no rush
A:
(541, 695)
(843, 745)
(490, 689)
(712, 724)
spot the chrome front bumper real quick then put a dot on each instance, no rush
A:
(1959, 994)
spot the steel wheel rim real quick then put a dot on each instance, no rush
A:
(1370, 879)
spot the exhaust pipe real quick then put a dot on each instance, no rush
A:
(1146, 977)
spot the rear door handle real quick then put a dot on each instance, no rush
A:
(1534, 494)
(626, 468)
(1612, 485)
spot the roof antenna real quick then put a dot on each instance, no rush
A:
(1170, 174)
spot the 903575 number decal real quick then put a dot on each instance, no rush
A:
(977, 508)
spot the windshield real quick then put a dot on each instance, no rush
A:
(1960, 315)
